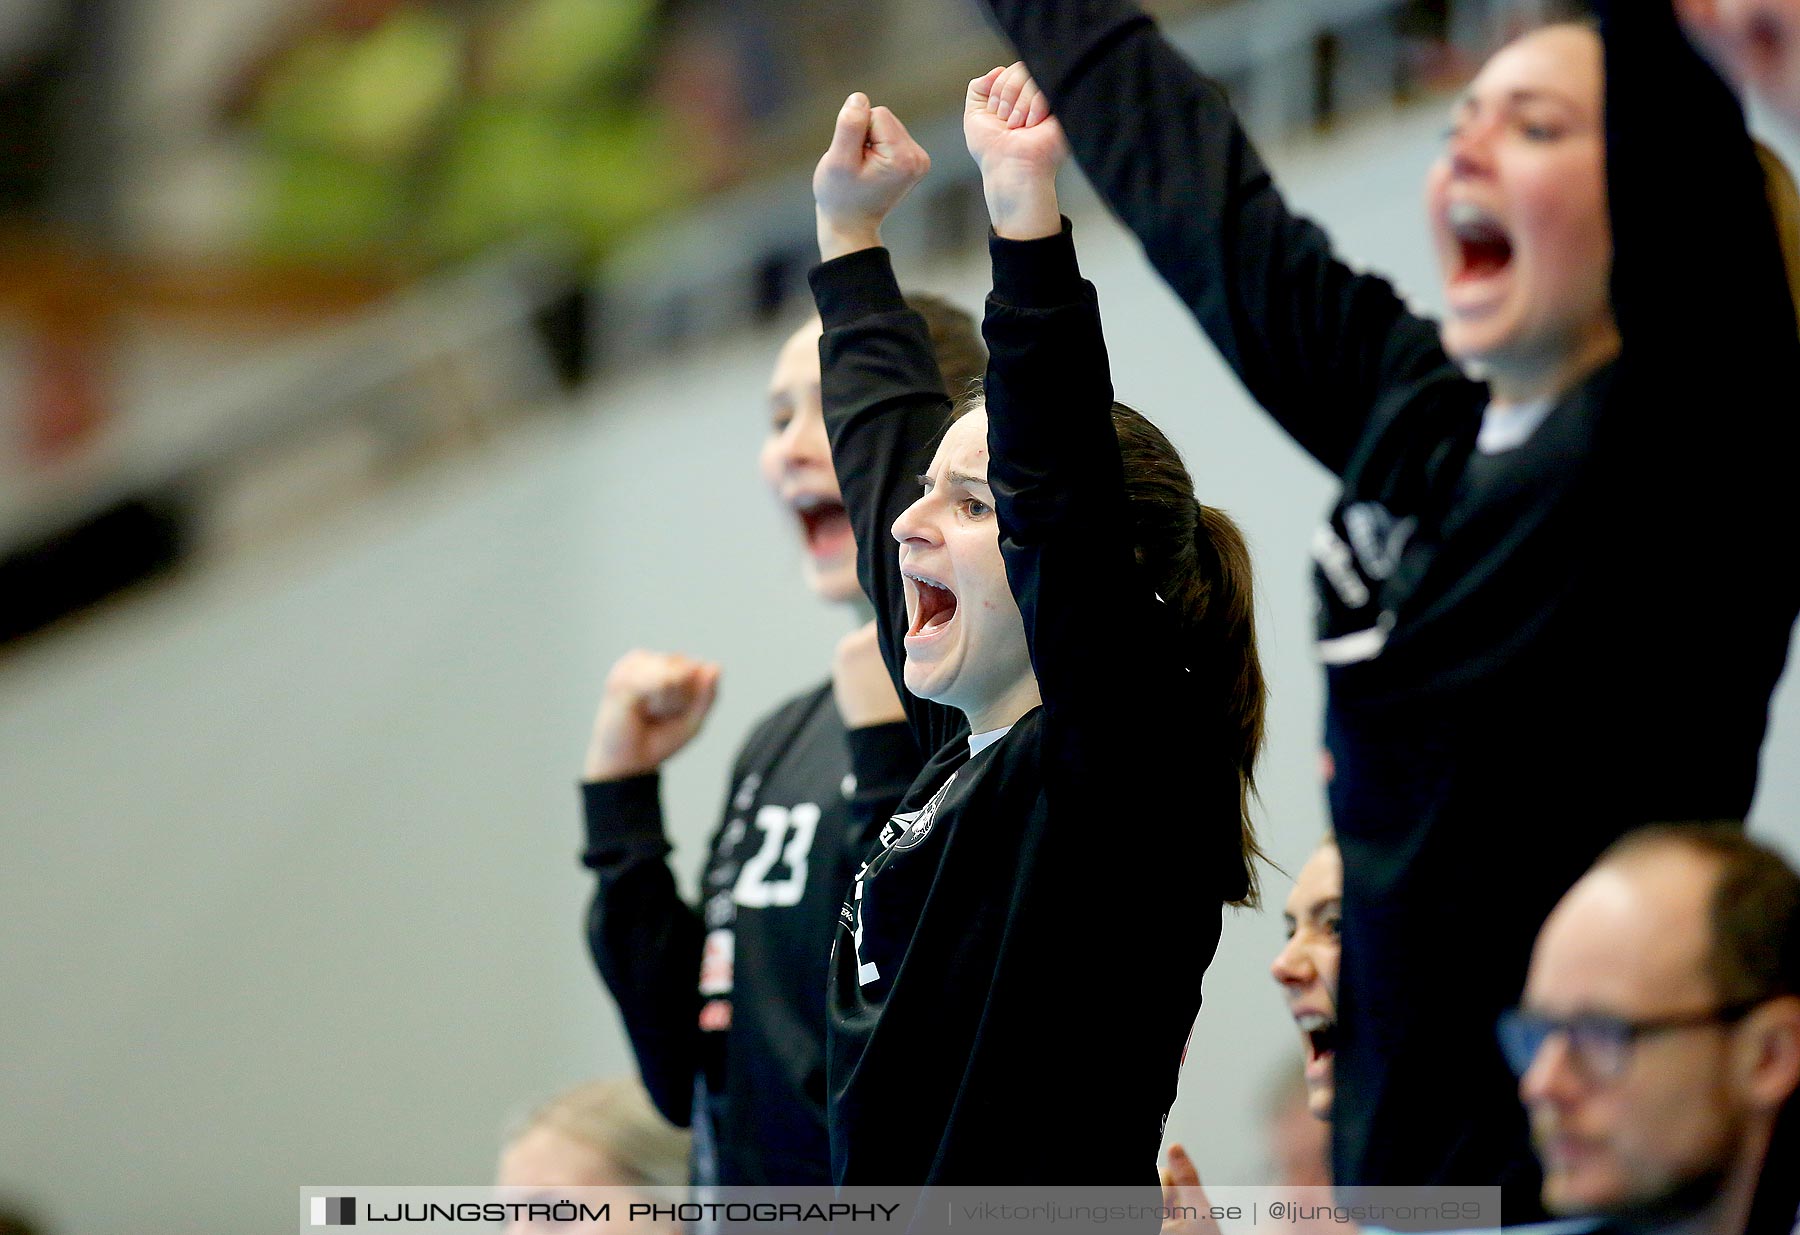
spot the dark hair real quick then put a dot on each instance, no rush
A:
(955, 341)
(1754, 950)
(1199, 564)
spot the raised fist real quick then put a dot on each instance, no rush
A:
(872, 164)
(1019, 146)
(653, 705)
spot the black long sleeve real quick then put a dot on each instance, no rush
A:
(724, 1002)
(1707, 374)
(1698, 283)
(1066, 534)
(1002, 882)
(885, 408)
(1059, 492)
(1316, 342)
(645, 940)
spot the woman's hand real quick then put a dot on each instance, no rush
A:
(1181, 1192)
(652, 706)
(1019, 146)
(872, 164)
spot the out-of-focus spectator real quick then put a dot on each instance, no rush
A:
(422, 129)
(1307, 966)
(1298, 1111)
(599, 1134)
(1659, 1038)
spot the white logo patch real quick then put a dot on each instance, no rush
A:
(1377, 537)
(902, 831)
(914, 826)
(1333, 557)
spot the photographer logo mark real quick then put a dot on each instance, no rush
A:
(334, 1211)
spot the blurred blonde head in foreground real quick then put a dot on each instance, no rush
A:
(599, 1134)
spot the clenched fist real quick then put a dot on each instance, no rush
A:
(872, 164)
(1019, 146)
(653, 705)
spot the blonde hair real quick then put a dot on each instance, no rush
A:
(614, 1118)
(1784, 205)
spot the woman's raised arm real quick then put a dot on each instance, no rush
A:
(1315, 342)
(885, 404)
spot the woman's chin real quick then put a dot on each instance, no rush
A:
(927, 680)
(833, 581)
(1470, 346)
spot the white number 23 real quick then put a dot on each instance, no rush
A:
(787, 838)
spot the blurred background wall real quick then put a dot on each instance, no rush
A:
(288, 889)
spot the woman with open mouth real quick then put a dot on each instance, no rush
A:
(724, 1002)
(1556, 591)
(1074, 635)
(1306, 968)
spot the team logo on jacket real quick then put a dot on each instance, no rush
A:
(1352, 567)
(903, 831)
(1377, 538)
(910, 828)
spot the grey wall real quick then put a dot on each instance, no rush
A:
(287, 879)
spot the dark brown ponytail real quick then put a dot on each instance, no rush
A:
(1200, 564)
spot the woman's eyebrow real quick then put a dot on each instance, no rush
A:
(1529, 94)
(964, 478)
(1467, 103)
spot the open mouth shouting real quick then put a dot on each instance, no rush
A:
(931, 608)
(824, 525)
(1319, 1031)
(1481, 256)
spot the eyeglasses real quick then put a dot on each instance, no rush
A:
(1599, 1045)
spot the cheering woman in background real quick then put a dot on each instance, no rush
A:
(1555, 593)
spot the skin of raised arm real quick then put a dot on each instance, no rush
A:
(1019, 147)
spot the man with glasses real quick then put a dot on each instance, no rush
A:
(1659, 1038)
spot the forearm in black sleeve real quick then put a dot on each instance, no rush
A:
(884, 759)
(1065, 522)
(1314, 341)
(646, 941)
(885, 409)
